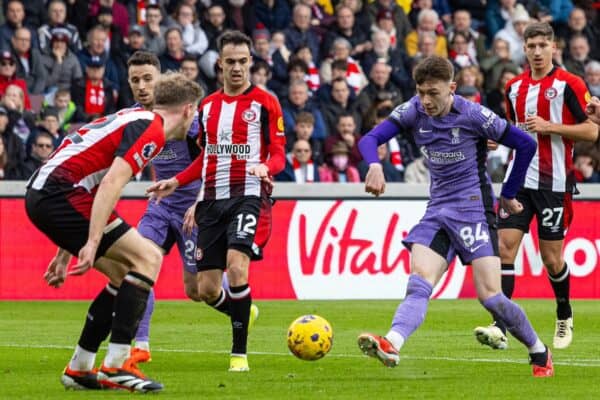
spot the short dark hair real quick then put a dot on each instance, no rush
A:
(538, 29)
(257, 65)
(433, 68)
(304, 117)
(337, 80)
(340, 64)
(235, 38)
(141, 57)
(190, 57)
(296, 63)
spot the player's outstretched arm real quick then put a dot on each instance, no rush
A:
(525, 148)
(592, 109)
(161, 189)
(109, 192)
(56, 273)
(375, 180)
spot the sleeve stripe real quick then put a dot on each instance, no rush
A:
(572, 103)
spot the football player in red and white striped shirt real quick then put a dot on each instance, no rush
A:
(242, 139)
(549, 103)
(71, 199)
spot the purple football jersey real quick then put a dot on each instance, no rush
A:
(174, 158)
(455, 149)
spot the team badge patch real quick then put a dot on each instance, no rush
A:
(550, 93)
(587, 96)
(148, 150)
(249, 115)
(280, 124)
(199, 254)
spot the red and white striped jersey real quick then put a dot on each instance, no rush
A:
(235, 134)
(559, 97)
(85, 156)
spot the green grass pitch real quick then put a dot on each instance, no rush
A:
(190, 344)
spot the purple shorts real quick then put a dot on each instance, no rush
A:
(468, 234)
(165, 227)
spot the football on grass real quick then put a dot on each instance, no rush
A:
(310, 337)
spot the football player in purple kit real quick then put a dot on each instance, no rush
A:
(452, 134)
(163, 223)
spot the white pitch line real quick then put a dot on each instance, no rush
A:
(594, 362)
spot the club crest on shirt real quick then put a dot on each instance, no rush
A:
(550, 93)
(199, 254)
(148, 150)
(455, 136)
(249, 115)
(280, 126)
(587, 96)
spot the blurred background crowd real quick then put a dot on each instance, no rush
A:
(338, 68)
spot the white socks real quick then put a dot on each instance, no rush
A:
(395, 339)
(116, 355)
(538, 347)
(142, 345)
(82, 360)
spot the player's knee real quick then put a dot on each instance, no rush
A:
(553, 263)
(192, 293)
(148, 261)
(208, 292)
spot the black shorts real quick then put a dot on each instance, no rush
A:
(64, 217)
(553, 211)
(240, 223)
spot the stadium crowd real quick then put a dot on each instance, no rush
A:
(337, 67)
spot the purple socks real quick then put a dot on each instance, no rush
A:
(410, 314)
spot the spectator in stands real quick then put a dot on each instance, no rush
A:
(338, 168)
(301, 32)
(578, 24)
(401, 22)
(390, 172)
(340, 50)
(461, 22)
(191, 70)
(28, 61)
(586, 162)
(136, 40)
(260, 75)
(558, 54)
(361, 16)
(13, 155)
(345, 27)
(114, 44)
(313, 80)
(496, 98)
(95, 51)
(15, 18)
(261, 46)
(579, 55)
(68, 112)
(94, 92)
(51, 124)
(555, 12)
(470, 76)
(380, 88)
(592, 77)
(498, 61)
(299, 166)
(119, 12)
(61, 66)
(41, 149)
(340, 104)
(57, 18)
(215, 25)
(8, 76)
(395, 58)
(273, 14)
(322, 18)
(193, 36)
(297, 71)
(242, 16)
(426, 43)
(459, 51)
(440, 6)
(427, 22)
(298, 101)
(346, 132)
(22, 121)
(303, 130)
(513, 34)
(154, 32)
(385, 24)
(170, 60)
(339, 68)
(497, 14)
